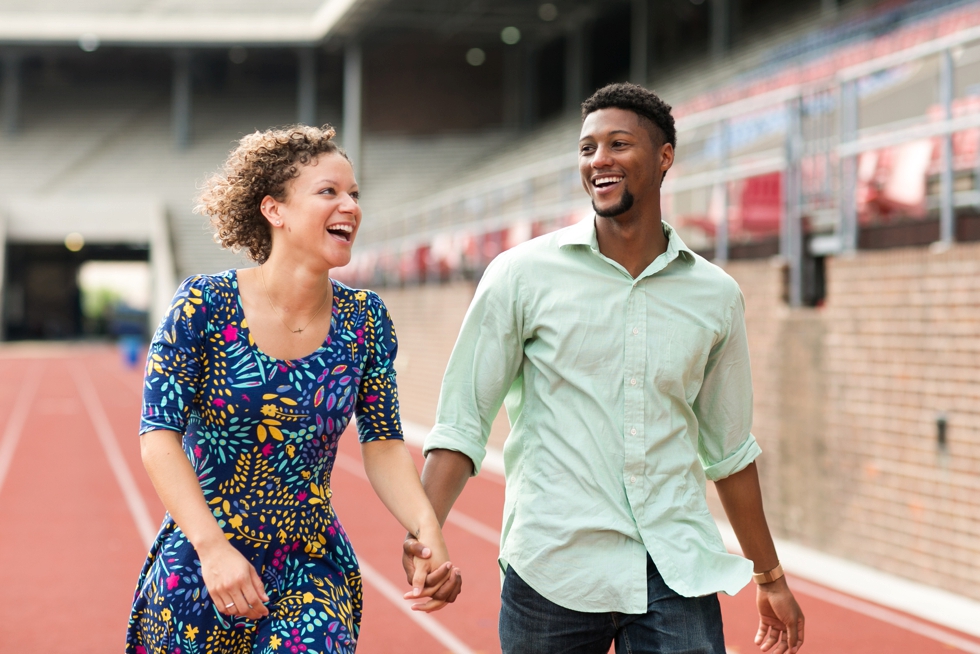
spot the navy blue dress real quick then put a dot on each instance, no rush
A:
(262, 435)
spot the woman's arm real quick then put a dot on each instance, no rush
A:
(392, 472)
(229, 577)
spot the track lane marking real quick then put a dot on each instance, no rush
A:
(884, 615)
(15, 425)
(110, 445)
(456, 517)
(423, 620)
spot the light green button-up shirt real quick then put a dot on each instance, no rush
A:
(623, 395)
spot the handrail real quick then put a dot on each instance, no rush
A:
(913, 53)
(889, 139)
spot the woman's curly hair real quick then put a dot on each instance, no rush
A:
(261, 165)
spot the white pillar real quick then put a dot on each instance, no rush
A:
(181, 99)
(353, 90)
(639, 41)
(306, 86)
(11, 91)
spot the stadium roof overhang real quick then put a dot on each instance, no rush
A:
(201, 23)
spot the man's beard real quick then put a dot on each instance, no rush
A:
(624, 205)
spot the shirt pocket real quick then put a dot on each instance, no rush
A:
(680, 371)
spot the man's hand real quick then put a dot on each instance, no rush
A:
(780, 619)
(442, 585)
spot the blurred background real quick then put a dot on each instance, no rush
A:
(827, 158)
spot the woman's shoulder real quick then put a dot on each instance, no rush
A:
(209, 289)
(357, 296)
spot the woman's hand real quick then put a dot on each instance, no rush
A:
(443, 584)
(233, 583)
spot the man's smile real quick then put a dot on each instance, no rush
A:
(607, 183)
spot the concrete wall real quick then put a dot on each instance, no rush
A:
(846, 400)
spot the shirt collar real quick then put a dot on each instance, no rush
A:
(583, 233)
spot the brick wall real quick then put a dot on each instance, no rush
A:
(846, 400)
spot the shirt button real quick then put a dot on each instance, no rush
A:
(632, 382)
(633, 431)
(636, 331)
(633, 480)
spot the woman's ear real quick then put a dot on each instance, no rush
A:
(270, 210)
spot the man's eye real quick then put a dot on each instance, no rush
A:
(586, 148)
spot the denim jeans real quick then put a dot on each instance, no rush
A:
(531, 624)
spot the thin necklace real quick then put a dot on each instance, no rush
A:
(273, 305)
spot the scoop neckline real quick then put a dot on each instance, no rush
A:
(243, 322)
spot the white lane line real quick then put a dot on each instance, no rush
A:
(493, 462)
(424, 620)
(15, 424)
(110, 445)
(474, 526)
(885, 615)
(461, 520)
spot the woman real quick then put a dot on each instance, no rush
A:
(251, 378)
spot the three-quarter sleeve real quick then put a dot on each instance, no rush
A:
(377, 396)
(484, 363)
(174, 359)
(724, 404)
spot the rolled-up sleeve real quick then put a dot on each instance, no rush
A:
(485, 362)
(724, 405)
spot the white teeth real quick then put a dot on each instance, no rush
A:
(342, 228)
(607, 180)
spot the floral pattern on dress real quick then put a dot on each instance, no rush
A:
(262, 435)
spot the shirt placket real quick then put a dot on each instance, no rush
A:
(634, 376)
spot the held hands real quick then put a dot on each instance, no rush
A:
(780, 619)
(233, 583)
(440, 583)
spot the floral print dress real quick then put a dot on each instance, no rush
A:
(262, 435)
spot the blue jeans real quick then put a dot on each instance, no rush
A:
(531, 624)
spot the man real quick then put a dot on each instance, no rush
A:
(622, 359)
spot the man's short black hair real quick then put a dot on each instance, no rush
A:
(642, 102)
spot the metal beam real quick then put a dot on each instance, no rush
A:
(721, 188)
(181, 99)
(306, 86)
(639, 41)
(947, 217)
(721, 30)
(848, 226)
(10, 94)
(575, 67)
(792, 236)
(529, 86)
(353, 96)
(513, 95)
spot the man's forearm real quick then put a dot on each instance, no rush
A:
(742, 498)
(443, 477)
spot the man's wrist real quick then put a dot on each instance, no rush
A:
(769, 576)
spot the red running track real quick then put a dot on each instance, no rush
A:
(76, 511)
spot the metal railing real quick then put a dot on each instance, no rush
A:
(816, 151)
